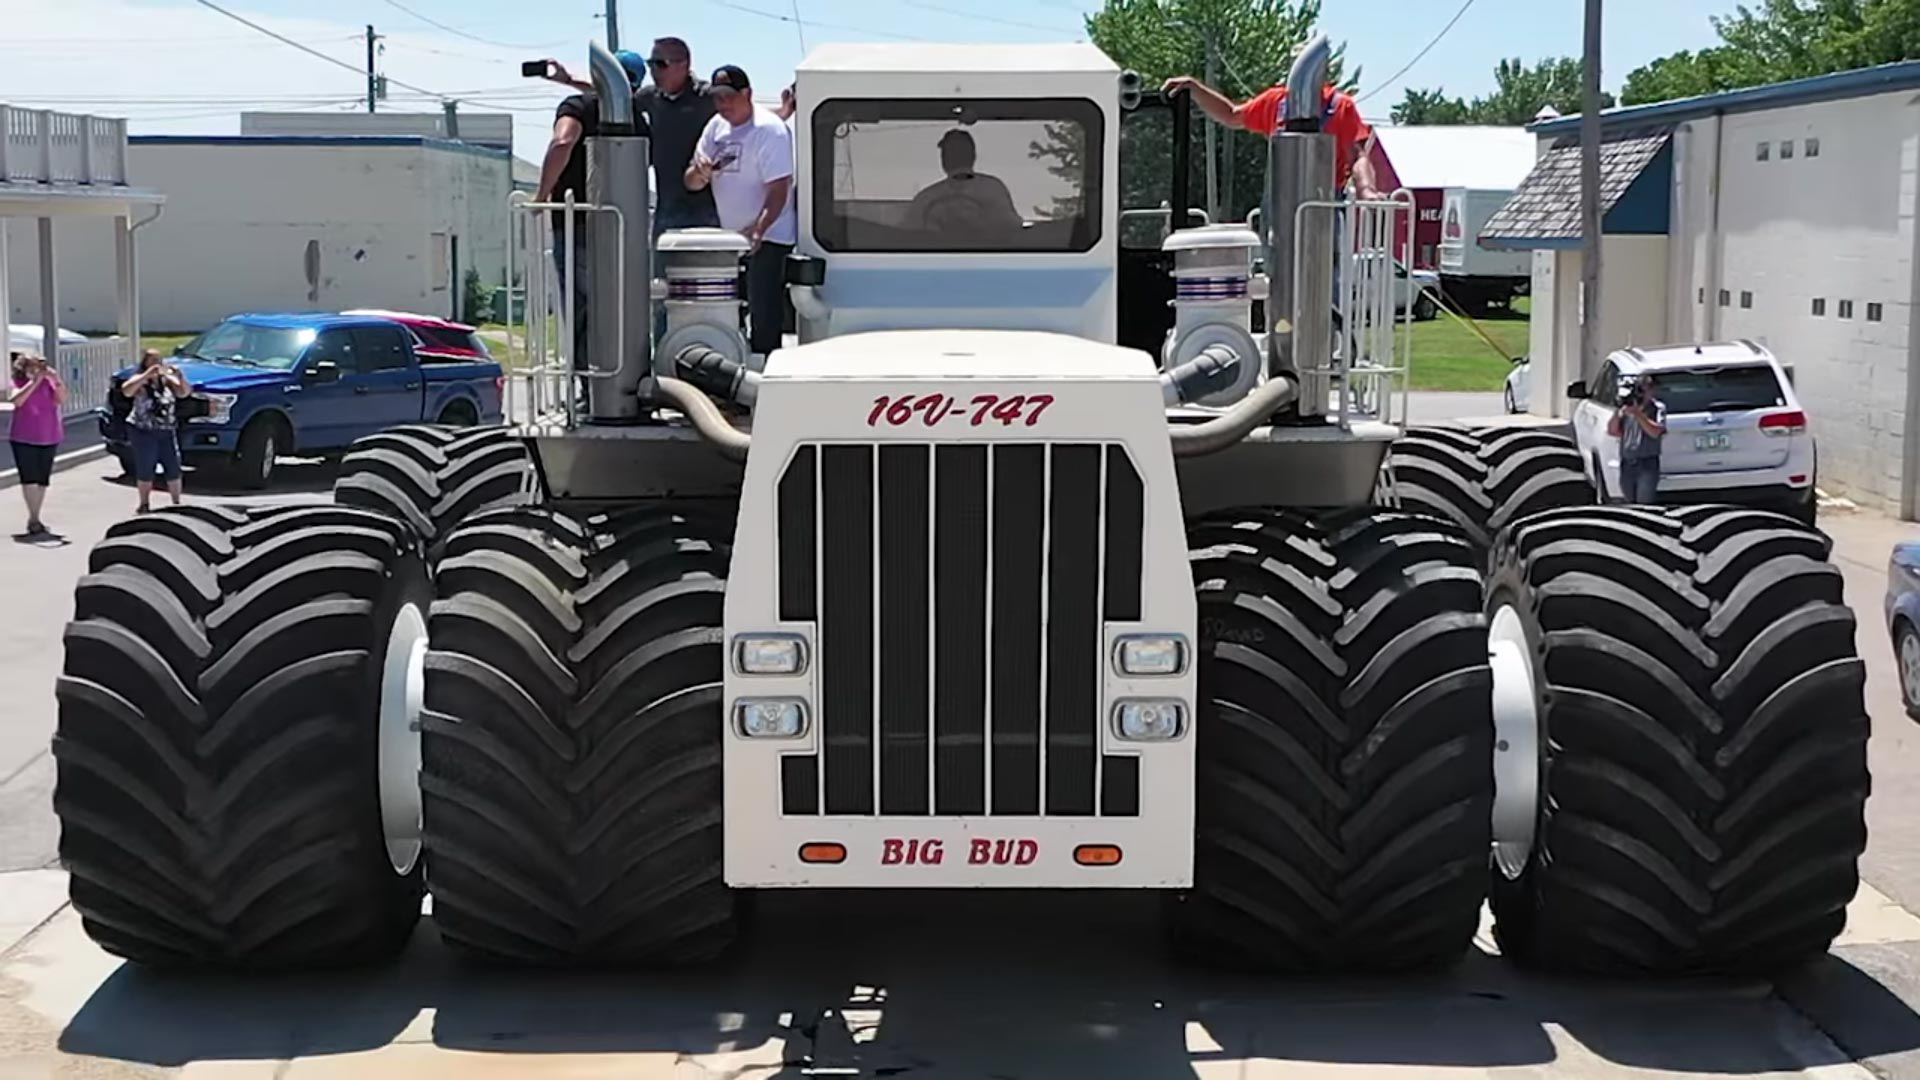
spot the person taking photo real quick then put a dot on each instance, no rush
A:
(152, 427)
(35, 431)
(1639, 423)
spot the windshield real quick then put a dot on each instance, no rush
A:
(238, 342)
(1734, 389)
(957, 176)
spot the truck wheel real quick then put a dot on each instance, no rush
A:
(260, 444)
(1486, 479)
(1689, 774)
(432, 477)
(458, 414)
(234, 762)
(1344, 772)
(573, 731)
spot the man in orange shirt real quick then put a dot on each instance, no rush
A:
(1339, 117)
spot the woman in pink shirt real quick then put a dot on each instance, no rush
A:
(36, 431)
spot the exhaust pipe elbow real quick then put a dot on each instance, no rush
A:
(730, 441)
(615, 90)
(1304, 80)
(714, 373)
(1193, 440)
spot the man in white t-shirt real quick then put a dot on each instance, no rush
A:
(746, 155)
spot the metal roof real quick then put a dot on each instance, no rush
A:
(918, 59)
(1443, 156)
(1547, 204)
(1885, 78)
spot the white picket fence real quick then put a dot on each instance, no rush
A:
(88, 371)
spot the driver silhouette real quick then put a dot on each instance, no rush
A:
(965, 200)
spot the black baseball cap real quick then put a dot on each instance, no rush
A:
(731, 78)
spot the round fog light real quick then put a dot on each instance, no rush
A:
(774, 719)
(1150, 721)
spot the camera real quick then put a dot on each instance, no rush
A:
(1629, 391)
(536, 69)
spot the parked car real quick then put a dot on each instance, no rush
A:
(265, 385)
(1736, 432)
(1903, 620)
(436, 340)
(32, 336)
(1519, 390)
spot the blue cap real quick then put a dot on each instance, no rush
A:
(634, 63)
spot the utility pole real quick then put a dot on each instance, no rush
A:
(373, 79)
(613, 25)
(451, 109)
(1213, 157)
(1590, 198)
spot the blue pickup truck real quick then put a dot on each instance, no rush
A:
(306, 384)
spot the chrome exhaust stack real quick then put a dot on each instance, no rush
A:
(1300, 245)
(620, 288)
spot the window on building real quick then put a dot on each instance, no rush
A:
(1813, 147)
(439, 269)
(1875, 312)
(1820, 306)
(1786, 149)
(1746, 298)
(1701, 296)
(1763, 152)
(1846, 309)
(1725, 298)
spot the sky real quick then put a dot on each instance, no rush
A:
(177, 67)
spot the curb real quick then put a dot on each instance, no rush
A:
(61, 463)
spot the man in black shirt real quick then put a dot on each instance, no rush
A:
(677, 109)
(564, 172)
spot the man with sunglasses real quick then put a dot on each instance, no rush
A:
(676, 108)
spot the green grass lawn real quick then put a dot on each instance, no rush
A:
(1448, 355)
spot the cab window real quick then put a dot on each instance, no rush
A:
(969, 175)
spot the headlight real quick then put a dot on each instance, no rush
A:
(219, 408)
(1149, 721)
(1148, 654)
(780, 654)
(770, 718)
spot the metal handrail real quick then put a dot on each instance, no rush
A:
(1366, 301)
(540, 373)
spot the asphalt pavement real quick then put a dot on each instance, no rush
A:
(1027, 985)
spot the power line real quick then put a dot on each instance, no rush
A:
(398, 6)
(1391, 79)
(777, 17)
(317, 54)
(799, 28)
(965, 14)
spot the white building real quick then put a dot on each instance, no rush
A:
(480, 128)
(295, 223)
(1783, 214)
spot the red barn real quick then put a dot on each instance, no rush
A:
(1428, 160)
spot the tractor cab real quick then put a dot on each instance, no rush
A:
(959, 187)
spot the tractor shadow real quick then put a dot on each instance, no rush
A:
(1056, 985)
(291, 476)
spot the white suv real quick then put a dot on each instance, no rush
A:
(1735, 430)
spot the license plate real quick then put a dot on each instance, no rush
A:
(1717, 440)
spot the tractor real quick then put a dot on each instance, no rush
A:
(1037, 561)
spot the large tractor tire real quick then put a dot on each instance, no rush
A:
(1486, 479)
(234, 760)
(1344, 742)
(573, 730)
(433, 477)
(1689, 775)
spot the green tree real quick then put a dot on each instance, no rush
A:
(1431, 107)
(1520, 92)
(1250, 43)
(1777, 40)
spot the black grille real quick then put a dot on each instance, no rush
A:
(919, 549)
